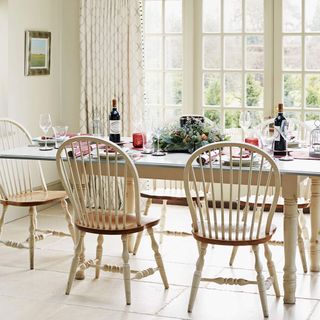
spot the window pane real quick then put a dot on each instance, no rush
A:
(232, 119)
(153, 52)
(233, 97)
(212, 52)
(254, 15)
(256, 118)
(292, 53)
(291, 15)
(312, 12)
(213, 115)
(173, 16)
(211, 15)
(311, 117)
(212, 89)
(173, 88)
(232, 15)
(174, 52)
(313, 90)
(172, 114)
(233, 52)
(153, 16)
(254, 89)
(292, 84)
(312, 52)
(255, 54)
(153, 87)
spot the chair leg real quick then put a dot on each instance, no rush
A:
(99, 255)
(197, 275)
(302, 250)
(80, 273)
(163, 219)
(126, 268)
(137, 243)
(158, 258)
(75, 261)
(303, 224)
(233, 255)
(272, 269)
(64, 205)
(260, 280)
(4, 210)
(32, 228)
(147, 207)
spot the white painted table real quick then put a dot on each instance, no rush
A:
(171, 167)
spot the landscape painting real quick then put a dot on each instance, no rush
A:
(37, 55)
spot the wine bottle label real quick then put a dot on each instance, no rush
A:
(276, 133)
(115, 126)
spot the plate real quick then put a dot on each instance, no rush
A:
(42, 141)
(236, 161)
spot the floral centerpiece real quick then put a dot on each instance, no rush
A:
(192, 134)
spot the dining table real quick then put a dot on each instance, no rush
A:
(171, 166)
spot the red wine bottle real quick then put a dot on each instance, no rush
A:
(279, 141)
(114, 123)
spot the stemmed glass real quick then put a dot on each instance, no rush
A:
(60, 133)
(157, 134)
(288, 136)
(245, 121)
(45, 124)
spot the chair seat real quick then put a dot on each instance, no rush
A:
(131, 223)
(34, 198)
(168, 194)
(302, 202)
(261, 238)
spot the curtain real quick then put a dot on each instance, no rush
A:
(111, 63)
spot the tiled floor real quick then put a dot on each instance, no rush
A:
(39, 294)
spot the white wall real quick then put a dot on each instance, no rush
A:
(25, 97)
(3, 57)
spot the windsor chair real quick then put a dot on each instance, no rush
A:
(17, 188)
(237, 227)
(92, 171)
(302, 134)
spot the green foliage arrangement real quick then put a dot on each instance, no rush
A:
(193, 135)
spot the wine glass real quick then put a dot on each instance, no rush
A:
(60, 133)
(157, 134)
(288, 136)
(245, 121)
(45, 124)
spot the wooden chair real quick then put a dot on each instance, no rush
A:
(92, 171)
(302, 134)
(237, 227)
(17, 187)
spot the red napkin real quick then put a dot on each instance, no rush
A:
(205, 157)
(81, 150)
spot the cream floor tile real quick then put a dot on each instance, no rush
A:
(13, 308)
(218, 304)
(316, 313)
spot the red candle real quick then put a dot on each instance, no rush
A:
(137, 139)
(253, 140)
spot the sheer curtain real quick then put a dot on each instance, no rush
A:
(111, 62)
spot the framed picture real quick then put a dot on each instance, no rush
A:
(37, 53)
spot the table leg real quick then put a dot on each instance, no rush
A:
(315, 224)
(290, 191)
(130, 207)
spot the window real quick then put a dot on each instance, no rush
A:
(163, 58)
(220, 57)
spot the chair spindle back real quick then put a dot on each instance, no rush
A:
(240, 169)
(95, 173)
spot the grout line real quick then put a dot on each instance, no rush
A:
(313, 310)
